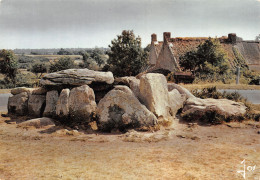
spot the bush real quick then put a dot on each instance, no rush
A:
(8, 64)
(62, 64)
(39, 68)
(22, 80)
(212, 92)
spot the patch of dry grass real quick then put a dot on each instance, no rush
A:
(4, 91)
(221, 86)
(204, 153)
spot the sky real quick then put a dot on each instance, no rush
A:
(94, 23)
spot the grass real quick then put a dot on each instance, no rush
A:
(52, 57)
(221, 86)
(4, 91)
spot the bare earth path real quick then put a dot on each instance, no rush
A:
(181, 152)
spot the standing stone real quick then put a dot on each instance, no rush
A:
(82, 103)
(36, 105)
(120, 109)
(132, 82)
(18, 104)
(154, 94)
(51, 102)
(62, 107)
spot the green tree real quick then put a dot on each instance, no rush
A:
(39, 68)
(208, 58)
(62, 64)
(189, 61)
(126, 56)
(96, 55)
(86, 59)
(8, 64)
(63, 52)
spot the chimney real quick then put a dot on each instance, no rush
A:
(166, 36)
(232, 37)
(154, 37)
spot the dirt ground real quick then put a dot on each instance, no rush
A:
(183, 151)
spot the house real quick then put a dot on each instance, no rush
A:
(166, 54)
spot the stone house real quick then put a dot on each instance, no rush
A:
(165, 54)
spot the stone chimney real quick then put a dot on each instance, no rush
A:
(232, 37)
(153, 37)
(166, 36)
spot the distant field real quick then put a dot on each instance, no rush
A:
(51, 57)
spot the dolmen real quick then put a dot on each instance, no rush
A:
(79, 97)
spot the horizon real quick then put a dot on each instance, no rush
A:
(49, 24)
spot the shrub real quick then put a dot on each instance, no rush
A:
(39, 68)
(62, 64)
(8, 64)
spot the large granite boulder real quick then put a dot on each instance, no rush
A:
(176, 101)
(76, 77)
(82, 105)
(51, 102)
(18, 104)
(120, 109)
(34, 91)
(132, 82)
(62, 107)
(154, 94)
(181, 90)
(36, 105)
(196, 107)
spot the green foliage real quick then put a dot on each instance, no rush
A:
(62, 64)
(22, 80)
(25, 59)
(212, 92)
(8, 64)
(190, 61)
(240, 60)
(92, 58)
(126, 57)
(96, 55)
(250, 77)
(226, 78)
(208, 58)
(39, 68)
(63, 52)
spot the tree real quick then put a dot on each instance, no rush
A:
(126, 56)
(208, 58)
(96, 55)
(39, 68)
(86, 59)
(62, 64)
(8, 64)
(63, 52)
